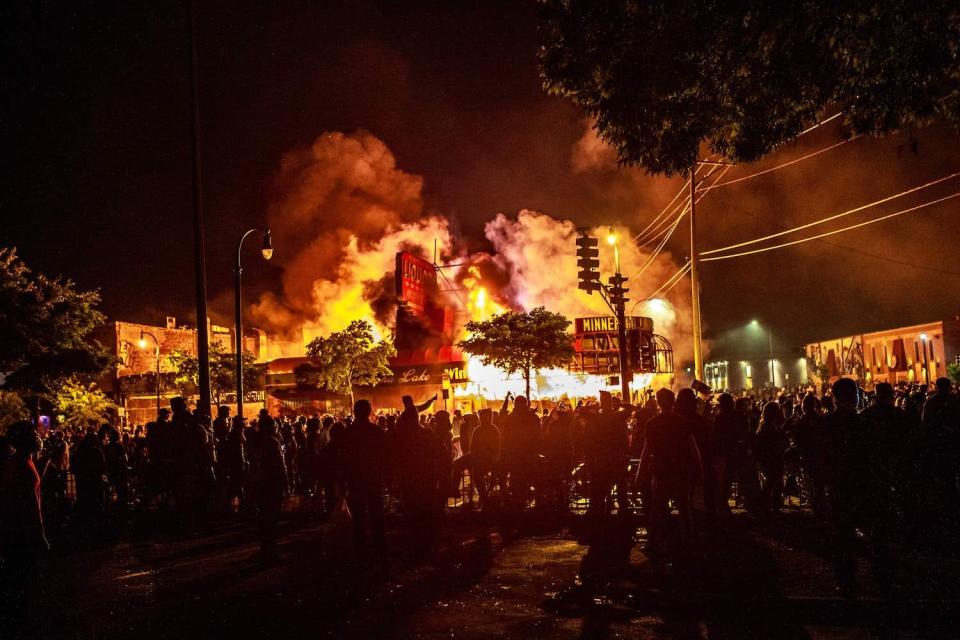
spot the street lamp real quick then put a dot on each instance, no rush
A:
(926, 365)
(612, 240)
(267, 251)
(143, 345)
(755, 324)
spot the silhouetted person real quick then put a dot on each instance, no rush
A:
(770, 444)
(117, 466)
(89, 468)
(558, 448)
(443, 430)
(606, 456)
(941, 428)
(671, 454)
(234, 463)
(849, 478)
(192, 462)
(702, 430)
(270, 482)
(22, 533)
(485, 445)
(806, 430)
(363, 454)
(423, 477)
(729, 431)
(520, 433)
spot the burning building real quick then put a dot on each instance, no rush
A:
(343, 210)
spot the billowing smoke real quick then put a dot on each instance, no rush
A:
(343, 209)
(537, 253)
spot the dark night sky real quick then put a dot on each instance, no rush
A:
(96, 126)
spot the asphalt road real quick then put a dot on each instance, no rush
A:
(539, 577)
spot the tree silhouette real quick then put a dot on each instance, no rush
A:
(519, 342)
(660, 77)
(350, 357)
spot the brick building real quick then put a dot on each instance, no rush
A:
(132, 382)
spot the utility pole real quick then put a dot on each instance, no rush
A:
(695, 277)
(199, 253)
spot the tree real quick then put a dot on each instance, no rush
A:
(660, 77)
(45, 329)
(12, 409)
(953, 371)
(519, 342)
(82, 404)
(223, 372)
(350, 357)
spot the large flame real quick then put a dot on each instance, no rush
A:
(346, 210)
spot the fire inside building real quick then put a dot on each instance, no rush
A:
(429, 364)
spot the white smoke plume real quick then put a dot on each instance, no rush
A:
(342, 210)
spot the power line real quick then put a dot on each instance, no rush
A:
(673, 228)
(833, 217)
(666, 286)
(835, 231)
(657, 222)
(888, 259)
(858, 251)
(786, 164)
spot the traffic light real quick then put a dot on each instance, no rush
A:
(588, 261)
(617, 290)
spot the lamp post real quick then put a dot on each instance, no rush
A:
(773, 372)
(267, 251)
(926, 364)
(143, 345)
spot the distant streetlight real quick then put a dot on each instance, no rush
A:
(267, 252)
(143, 345)
(926, 364)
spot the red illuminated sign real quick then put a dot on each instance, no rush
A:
(414, 276)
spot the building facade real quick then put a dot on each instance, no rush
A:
(915, 354)
(143, 371)
(783, 370)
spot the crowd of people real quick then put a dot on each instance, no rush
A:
(881, 464)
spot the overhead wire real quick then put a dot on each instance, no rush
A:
(867, 254)
(833, 217)
(835, 231)
(666, 286)
(785, 164)
(659, 218)
(673, 228)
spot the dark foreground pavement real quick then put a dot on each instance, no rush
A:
(565, 578)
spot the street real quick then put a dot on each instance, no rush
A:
(550, 579)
